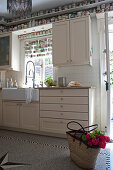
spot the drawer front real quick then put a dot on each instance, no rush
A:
(58, 125)
(64, 92)
(64, 115)
(66, 100)
(64, 107)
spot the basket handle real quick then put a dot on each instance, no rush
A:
(76, 123)
(95, 127)
(82, 128)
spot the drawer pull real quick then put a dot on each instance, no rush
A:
(61, 98)
(61, 114)
(61, 106)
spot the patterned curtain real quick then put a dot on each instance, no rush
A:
(19, 8)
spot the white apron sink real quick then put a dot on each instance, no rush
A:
(20, 94)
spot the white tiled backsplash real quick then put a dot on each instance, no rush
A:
(16, 75)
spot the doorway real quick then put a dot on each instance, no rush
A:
(111, 77)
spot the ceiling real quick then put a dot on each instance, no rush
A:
(37, 5)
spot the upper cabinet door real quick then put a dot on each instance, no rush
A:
(5, 50)
(61, 53)
(9, 52)
(80, 40)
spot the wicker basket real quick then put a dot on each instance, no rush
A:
(83, 156)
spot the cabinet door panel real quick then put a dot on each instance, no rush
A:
(79, 37)
(10, 114)
(61, 49)
(29, 116)
(0, 112)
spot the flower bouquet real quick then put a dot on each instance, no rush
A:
(97, 139)
(85, 145)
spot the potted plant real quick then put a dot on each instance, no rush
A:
(49, 81)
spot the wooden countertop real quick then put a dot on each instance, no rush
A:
(74, 87)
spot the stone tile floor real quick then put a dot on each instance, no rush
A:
(109, 158)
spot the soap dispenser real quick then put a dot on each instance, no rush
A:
(15, 84)
(11, 83)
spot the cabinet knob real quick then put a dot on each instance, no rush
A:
(70, 60)
(61, 106)
(61, 98)
(61, 114)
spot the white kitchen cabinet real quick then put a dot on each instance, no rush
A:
(72, 42)
(29, 116)
(21, 115)
(58, 126)
(80, 41)
(60, 106)
(10, 52)
(0, 112)
(61, 51)
(11, 114)
(0, 107)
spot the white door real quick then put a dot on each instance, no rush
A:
(108, 73)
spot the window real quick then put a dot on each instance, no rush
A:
(38, 60)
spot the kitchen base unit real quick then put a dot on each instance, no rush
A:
(58, 106)
(0, 109)
(21, 115)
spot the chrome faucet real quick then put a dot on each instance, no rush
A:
(29, 73)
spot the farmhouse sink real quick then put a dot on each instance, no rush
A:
(19, 94)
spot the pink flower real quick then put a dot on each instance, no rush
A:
(95, 141)
(102, 145)
(107, 138)
(97, 136)
(90, 143)
(102, 138)
(88, 136)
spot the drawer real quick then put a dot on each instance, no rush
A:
(64, 107)
(58, 125)
(66, 100)
(64, 115)
(64, 92)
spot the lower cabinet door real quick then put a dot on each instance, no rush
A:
(58, 125)
(29, 116)
(10, 114)
(0, 112)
